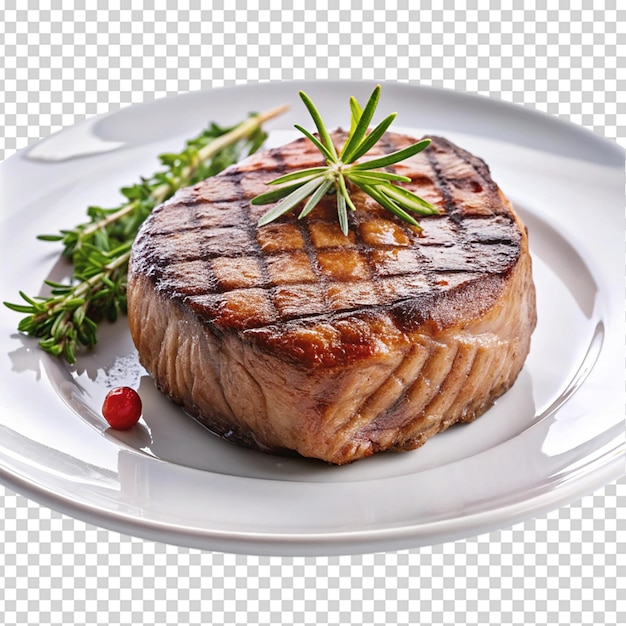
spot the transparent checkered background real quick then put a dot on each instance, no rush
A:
(60, 64)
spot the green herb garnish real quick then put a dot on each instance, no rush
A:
(99, 249)
(342, 169)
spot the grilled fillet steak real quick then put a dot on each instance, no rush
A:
(292, 336)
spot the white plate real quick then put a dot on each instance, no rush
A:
(555, 436)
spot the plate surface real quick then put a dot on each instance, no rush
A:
(556, 435)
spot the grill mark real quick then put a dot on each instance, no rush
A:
(311, 252)
(211, 280)
(386, 144)
(272, 160)
(362, 310)
(277, 157)
(442, 185)
(277, 166)
(459, 220)
(478, 165)
(452, 210)
(196, 227)
(395, 308)
(159, 262)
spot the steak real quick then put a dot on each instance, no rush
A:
(295, 337)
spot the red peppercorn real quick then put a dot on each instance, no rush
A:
(122, 408)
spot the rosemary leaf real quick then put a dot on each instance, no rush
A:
(344, 192)
(309, 171)
(408, 199)
(315, 198)
(388, 203)
(291, 201)
(393, 157)
(330, 157)
(321, 127)
(373, 137)
(355, 113)
(376, 177)
(355, 138)
(342, 213)
(315, 182)
(276, 194)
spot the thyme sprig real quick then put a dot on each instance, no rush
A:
(310, 185)
(99, 249)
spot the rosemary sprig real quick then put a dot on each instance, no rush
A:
(99, 249)
(342, 170)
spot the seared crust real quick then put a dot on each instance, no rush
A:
(329, 318)
(203, 250)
